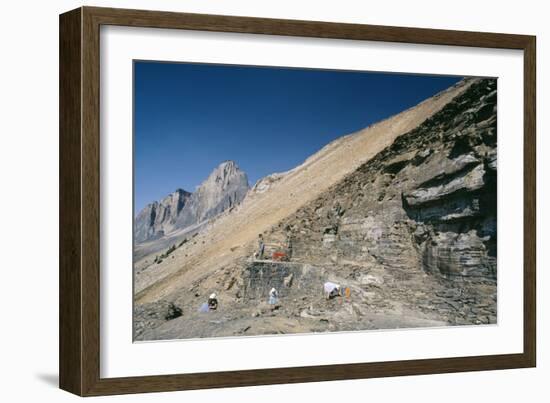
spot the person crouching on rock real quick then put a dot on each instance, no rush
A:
(331, 290)
(212, 302)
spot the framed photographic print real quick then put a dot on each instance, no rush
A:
(249, 201)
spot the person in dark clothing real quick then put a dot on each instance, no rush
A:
(289, 244)
(261, 247)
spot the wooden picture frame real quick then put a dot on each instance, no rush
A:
(79, 346)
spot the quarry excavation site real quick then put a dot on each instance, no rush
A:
(401, 215)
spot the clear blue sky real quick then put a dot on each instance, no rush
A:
(188, 118)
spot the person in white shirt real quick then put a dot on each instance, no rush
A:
(331, 290)
(273, 296)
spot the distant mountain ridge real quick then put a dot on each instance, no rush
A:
(159, 217)
(225, 187)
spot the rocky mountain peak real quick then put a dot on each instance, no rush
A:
(225, 187)
(224, 173)
(159, 217)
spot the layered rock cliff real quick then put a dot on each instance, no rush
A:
(427, 202)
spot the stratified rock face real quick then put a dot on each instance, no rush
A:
(426, 203)
(226, 187)
(288, 278)
(159, 217)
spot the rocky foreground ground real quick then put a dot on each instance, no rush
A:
(411, 231)
(379, 299)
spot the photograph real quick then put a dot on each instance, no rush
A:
(270, 201)
(275, 200)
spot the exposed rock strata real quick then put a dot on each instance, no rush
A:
(427, 202)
